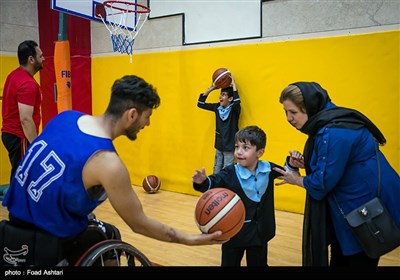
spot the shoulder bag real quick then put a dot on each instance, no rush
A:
(372, 225)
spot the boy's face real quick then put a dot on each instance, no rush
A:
(247, 155)
(224, 100)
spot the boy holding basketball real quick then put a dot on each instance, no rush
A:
(227, 112)
(253, 180)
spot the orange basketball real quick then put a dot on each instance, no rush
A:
(220, 209)
(151, 184)
(222, 78)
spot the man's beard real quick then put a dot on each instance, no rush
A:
(131, 132)
(131, 136)
(38, 66)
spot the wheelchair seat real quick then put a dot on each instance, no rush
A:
(27, 246)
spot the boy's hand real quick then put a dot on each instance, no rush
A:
(233, 84)
(199, 176)
(209, 89)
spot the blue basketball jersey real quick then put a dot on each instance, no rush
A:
(47, 189)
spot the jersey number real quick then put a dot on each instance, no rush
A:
(52, 168)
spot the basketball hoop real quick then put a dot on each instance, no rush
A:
(123, 20)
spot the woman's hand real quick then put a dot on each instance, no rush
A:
(296, 159)
(289, 176)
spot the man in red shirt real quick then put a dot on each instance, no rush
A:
(22, 99)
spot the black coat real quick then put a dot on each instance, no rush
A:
(262, 227)
(224, 130)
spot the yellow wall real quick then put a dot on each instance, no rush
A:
(359, 71)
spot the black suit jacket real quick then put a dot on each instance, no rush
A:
(261, 227)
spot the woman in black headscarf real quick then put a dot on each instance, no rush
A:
(340, 160)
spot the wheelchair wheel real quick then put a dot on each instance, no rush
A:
(113, 253)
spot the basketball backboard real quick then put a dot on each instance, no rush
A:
(123, 19)
(86, 9)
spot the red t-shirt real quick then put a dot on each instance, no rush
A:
(20, 87)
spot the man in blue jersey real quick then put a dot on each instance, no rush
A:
(72, 167)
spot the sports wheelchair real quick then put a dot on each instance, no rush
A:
(21, 246)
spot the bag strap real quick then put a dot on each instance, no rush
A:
(379, 179)
(379, 170)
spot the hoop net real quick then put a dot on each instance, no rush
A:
(123, 20)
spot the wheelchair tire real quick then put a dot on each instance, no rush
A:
(99, 254)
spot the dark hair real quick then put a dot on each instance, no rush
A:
(132, 92)
(228, 90)
(25, 50)
(253, 134)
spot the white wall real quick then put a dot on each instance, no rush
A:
(287, 18)
(279, 18)
(18, 22)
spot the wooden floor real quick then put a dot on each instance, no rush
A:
(177, 210)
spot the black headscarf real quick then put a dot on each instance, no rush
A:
(316, 225)
(315, 101)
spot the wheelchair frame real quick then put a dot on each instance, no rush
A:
(127, 255)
